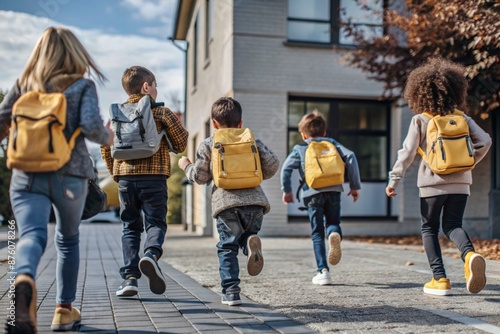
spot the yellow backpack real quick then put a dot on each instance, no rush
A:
(235, 159)
(449, 147)
(37, 142)
(323, 165)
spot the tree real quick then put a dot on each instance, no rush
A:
(5, 174)
(464, 31)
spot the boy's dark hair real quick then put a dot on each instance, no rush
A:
(227, 112)
(438, 87)
(313, 124)
(134, 77)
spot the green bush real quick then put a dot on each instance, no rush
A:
(174, 214)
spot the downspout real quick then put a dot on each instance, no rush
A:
(174, 42)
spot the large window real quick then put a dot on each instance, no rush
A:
(361, 126)
(318, 21)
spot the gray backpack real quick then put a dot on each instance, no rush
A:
(136, 136)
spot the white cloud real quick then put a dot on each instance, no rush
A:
(153, 9)
(112, 52)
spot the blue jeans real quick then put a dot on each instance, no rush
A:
(324, 213)
(32, 196)
(235, 225)
(149, 195)
(452, 208)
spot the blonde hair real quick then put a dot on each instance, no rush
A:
(58, 51)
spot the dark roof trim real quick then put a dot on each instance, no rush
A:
(183, 19)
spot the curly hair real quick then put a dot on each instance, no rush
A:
(438, 87)
(313, 124)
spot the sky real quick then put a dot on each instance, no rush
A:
(117, 33)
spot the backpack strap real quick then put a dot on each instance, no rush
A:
(419, 149)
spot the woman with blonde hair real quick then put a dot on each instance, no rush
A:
(58, 63)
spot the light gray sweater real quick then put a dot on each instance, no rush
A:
(201, 172)
(431, 184)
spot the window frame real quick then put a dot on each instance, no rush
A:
(334, 23)
(335, 132)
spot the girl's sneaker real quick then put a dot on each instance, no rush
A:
(441, 287)
(474, 269)
(322, 278)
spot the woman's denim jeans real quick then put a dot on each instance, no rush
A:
(32, 196)
(324, 213)
(235, 225)
(448, 209)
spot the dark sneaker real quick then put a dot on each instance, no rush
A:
(151, 270)
(24, 321)
(231, 299)
(128, 288)
(255, 261)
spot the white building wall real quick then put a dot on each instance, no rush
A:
(214, 79)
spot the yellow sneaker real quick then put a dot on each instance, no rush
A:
(24, 320)
(475, 272)
(64, 319)
(441, 287)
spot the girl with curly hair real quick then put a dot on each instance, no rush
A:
(439, 87)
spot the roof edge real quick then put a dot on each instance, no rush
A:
(183, 19)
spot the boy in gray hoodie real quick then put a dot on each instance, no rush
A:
(239, 212)
(439, 87)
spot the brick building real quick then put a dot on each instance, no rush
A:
(277, 58)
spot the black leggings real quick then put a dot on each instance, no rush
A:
(452, 207)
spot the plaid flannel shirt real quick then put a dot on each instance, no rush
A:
(159, 163)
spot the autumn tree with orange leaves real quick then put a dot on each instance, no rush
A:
(464, 31)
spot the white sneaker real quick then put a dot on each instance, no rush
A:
(335, 252)
(322, 278)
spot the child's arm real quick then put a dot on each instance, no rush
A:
(106, 157)
(480, 139)
(352, 168)
(268, 160)
(177, 134)
(292, 162)
(406, 154)
(6, 110)
(199, 171)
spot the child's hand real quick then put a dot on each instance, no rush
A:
(183, 163)
(288, 198)
(391, 192)
(111, 135)
(354, 193)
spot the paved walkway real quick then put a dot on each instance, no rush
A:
(187, 307)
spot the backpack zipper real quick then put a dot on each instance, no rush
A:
(220, 148)
(443, 154)
(254, 150)
(317, 160)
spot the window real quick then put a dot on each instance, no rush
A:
(318, 21)
(361, 126)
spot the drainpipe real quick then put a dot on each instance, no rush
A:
(174, 42)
